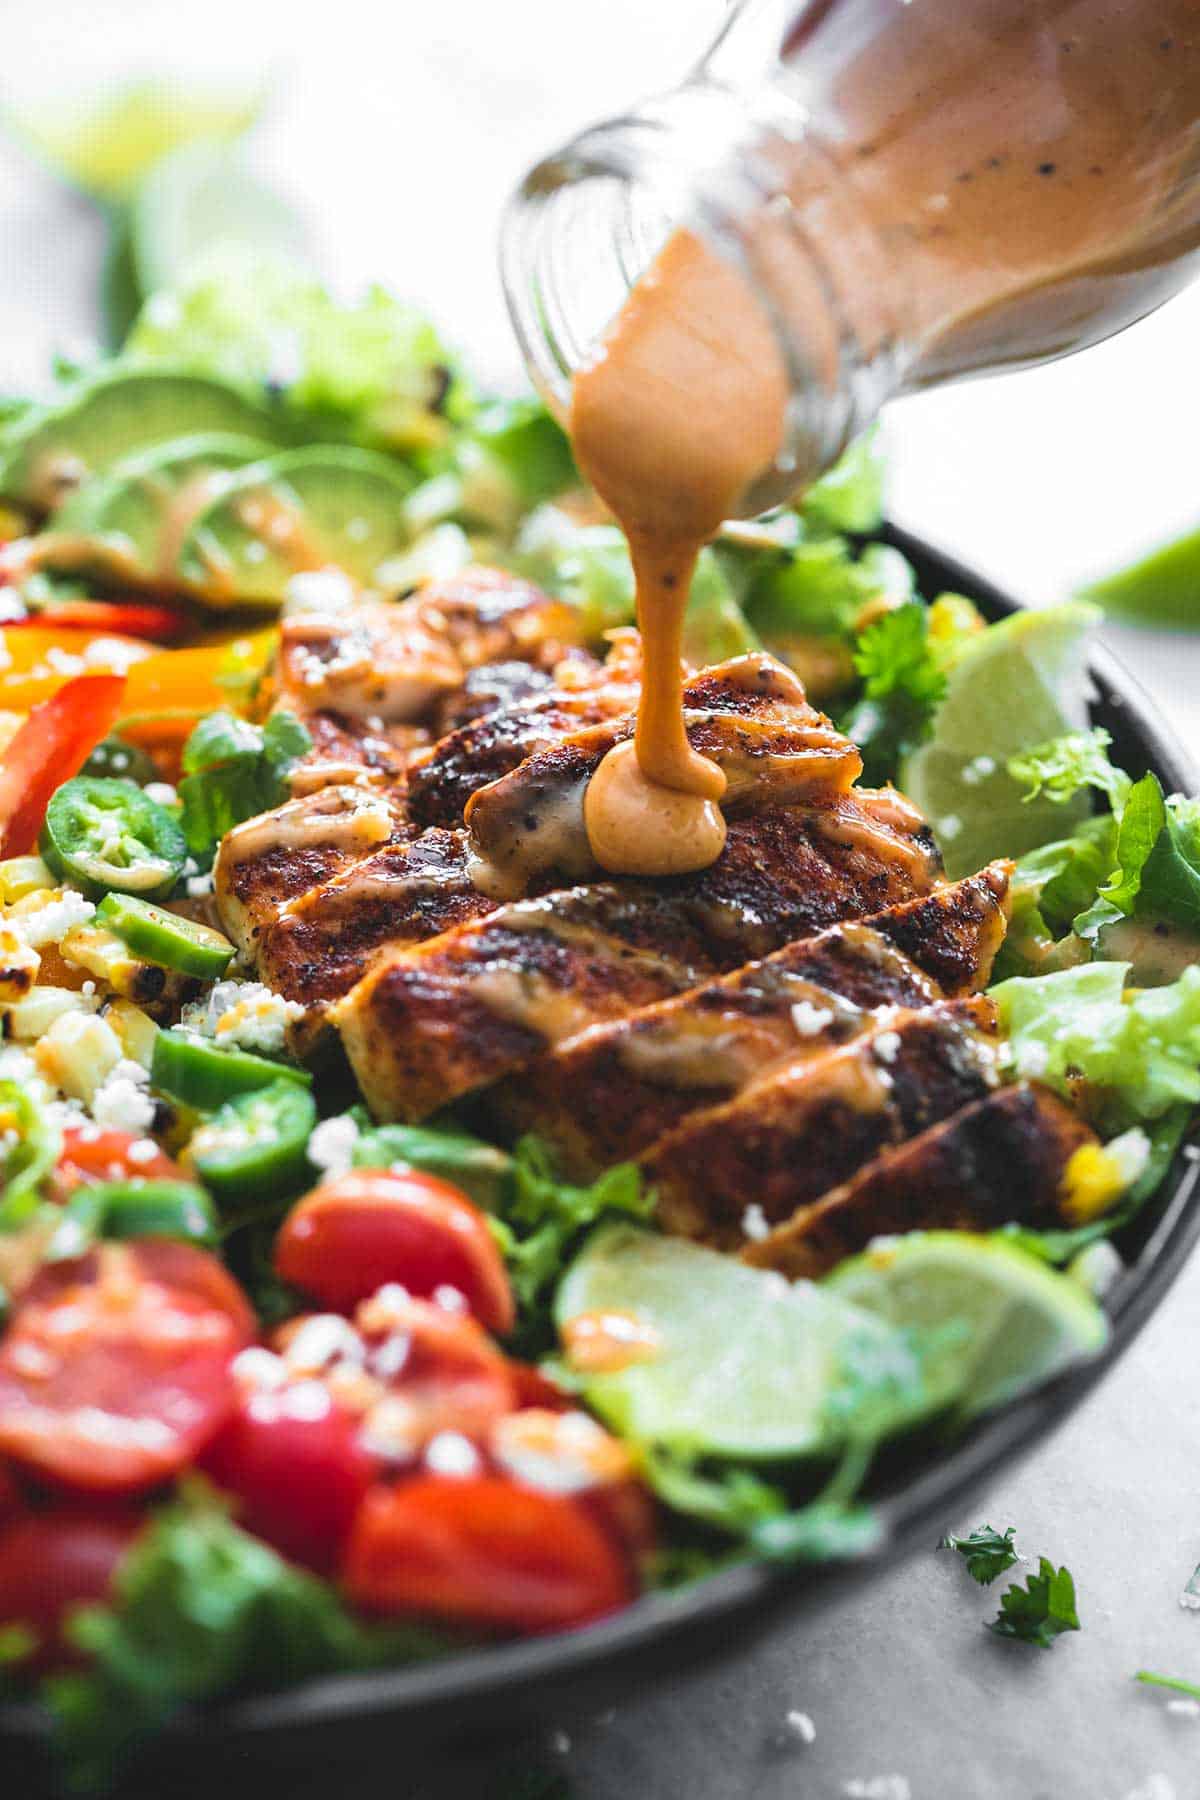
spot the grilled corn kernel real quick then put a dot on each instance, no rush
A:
(135, 1028)
(29, 1019)
(21, 875)
(77, 1053)
(1098, 1174)
(19, 965)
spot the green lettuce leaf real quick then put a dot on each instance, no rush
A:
(1128, 1057)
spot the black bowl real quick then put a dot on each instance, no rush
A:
(405, 1715)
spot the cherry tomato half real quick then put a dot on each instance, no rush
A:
(370, 1226)
(294, 1460)
(174, 1265)
(52, 745)
(52, 1562)
(114, 1381)
(90, 1154)
(481, 1550)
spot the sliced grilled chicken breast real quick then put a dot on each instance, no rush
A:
(430, 1024)
(612, 1091)
(749, 715)
(788, 1138)
(1002, 1158)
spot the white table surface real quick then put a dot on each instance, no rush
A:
(403, 127)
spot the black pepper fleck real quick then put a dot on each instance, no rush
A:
(1047, 168)
(669, 580)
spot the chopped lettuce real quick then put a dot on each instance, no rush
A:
(1062, 768)
(850, 496)
(815, 588)
(372, 370)
(1127, 1057)
(234, 770)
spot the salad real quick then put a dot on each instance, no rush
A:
(410, 1237)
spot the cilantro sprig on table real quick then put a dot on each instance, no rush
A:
(1040, 1611)
(986, 1551)
(1035, 1612)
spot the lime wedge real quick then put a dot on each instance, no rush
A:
(1010, 1321)
(729, 1360)
(106, 144)
(1162, 588)
(199, 202)
(1014, 687)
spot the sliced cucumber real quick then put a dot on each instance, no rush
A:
(303, 509)
(728, 1360)
(114, 415)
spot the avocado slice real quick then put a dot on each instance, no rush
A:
(140, 511)
(112, 416)
(327, 506)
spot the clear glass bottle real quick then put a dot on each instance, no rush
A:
(916, 190)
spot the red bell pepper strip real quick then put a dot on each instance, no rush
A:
(131, 618)
(52, 745)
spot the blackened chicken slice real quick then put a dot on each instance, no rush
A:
(430, 1025)
(278, 856)
(787, 1139)
(1000, 1159)
(321, 944)
(345, 749)
(611, 1092)
(394, 661)
(749, 715)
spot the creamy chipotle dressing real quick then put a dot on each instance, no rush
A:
(671, 471)
(987, 184)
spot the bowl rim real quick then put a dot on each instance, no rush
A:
(489, 1677)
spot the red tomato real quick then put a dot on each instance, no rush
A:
(293, 1459)
(52, 1562)
(113, 1382)
(184, 1267)
(11, 1500)
(90, 1154)
(442, 1371)
(52, 745)
(480, 1550)
(130, 618)
(362, 1229)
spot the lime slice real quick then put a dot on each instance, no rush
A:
(1015, 686)
(1010, 1321)
(1162, 588)
(727, 1360)
(105, 145)
(199, 202)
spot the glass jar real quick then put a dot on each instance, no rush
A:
(915, 190)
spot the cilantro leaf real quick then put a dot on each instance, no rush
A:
(201, 1608)
(542, 1218)
(1057, 770)
(1041, 1610)
(903, 683)
(986, 1552)
(234, 770)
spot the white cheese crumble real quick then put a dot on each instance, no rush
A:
(801, 1726)
(161, 792)
(1184, 1708)
(809, 1020)
(754, 1223)
(121, 1101)
(113, 654)
(450, 1453)
(950, 827)
(318, 591)
(878, 1787)
(887, 1046)
(51, 922)
(199, 885)
(245, 1014)
(331, 1146)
